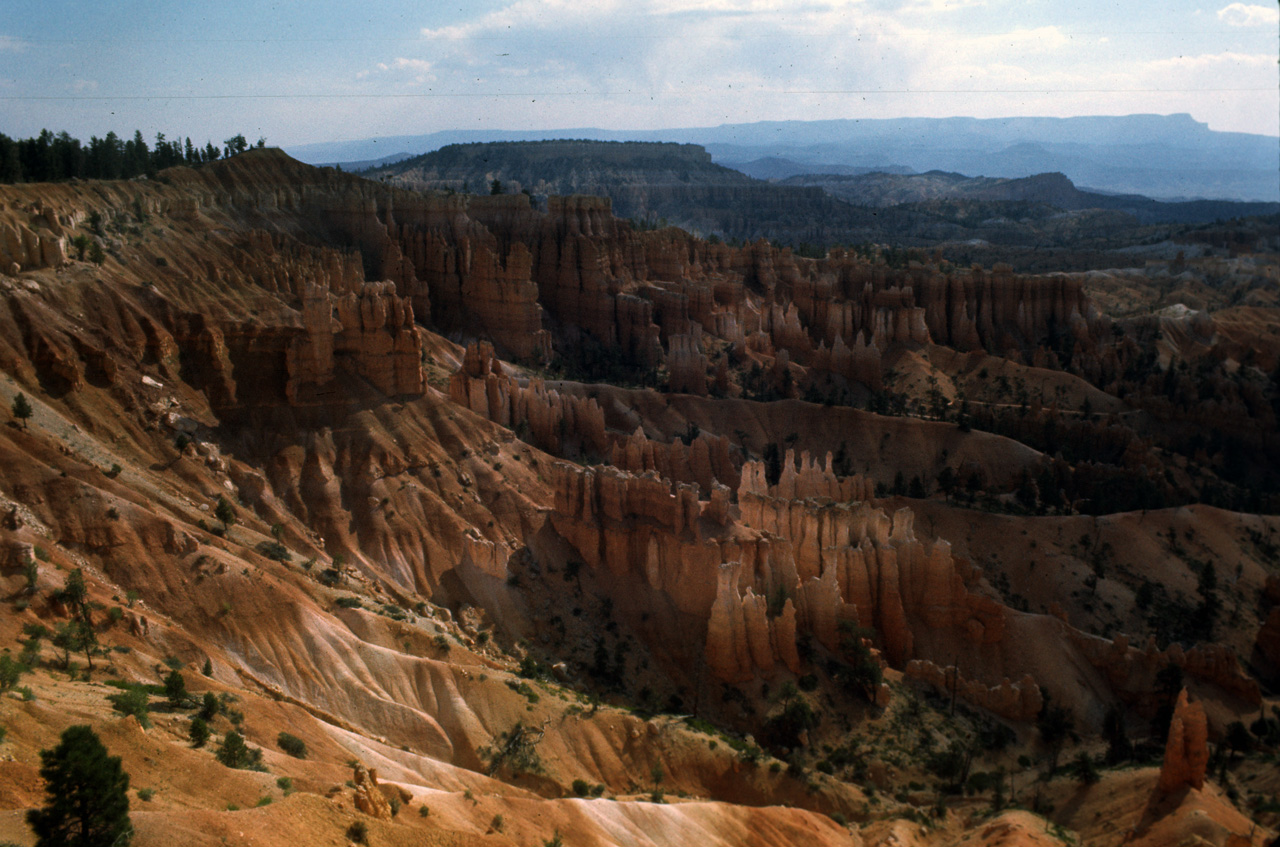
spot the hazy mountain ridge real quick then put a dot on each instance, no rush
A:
(680, 184)
(1053, 189)
(1160, 156)
(566, 167)
(653, 182)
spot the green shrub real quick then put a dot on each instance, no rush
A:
(175, 689)
(581, 787)
(358, 832)
(285, 784)
(514, 751)
(133, 701)
(292, 744)
(234, 753)
(10, 672)
(275, 550)
(524, 690)
(145, 794)
(199, 731)
(348, 602)
(209, 706)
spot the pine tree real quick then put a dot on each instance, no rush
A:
(199, 731)
(22, 408)
(234, 753)
(175, 689)
(78, 634)
(88, 803)
(235, 145)
(225, 512)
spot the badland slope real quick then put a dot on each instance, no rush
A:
(520, 522)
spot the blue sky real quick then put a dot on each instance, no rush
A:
(298, 72)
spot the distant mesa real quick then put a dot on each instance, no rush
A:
(1158, 156)
(664, 183)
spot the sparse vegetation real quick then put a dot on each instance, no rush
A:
(135, 701)
(234, 753)
(292, 744)
(513, 752)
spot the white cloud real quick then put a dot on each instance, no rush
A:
(1226, 64)
(419, 65)
(945, 5)
(1238, 14)
(638, 63)
(419, 68)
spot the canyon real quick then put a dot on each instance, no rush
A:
(542, 524)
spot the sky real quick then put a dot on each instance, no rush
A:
(321, 70)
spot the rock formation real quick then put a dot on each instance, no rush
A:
(1019, 701)
(1132, 671)
(562, 424)
(686, 365)
(826, 561)
(706, 460)
(742, 637)
(492, 264)
(370, 331)
(368, 794)
(1186, 754)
